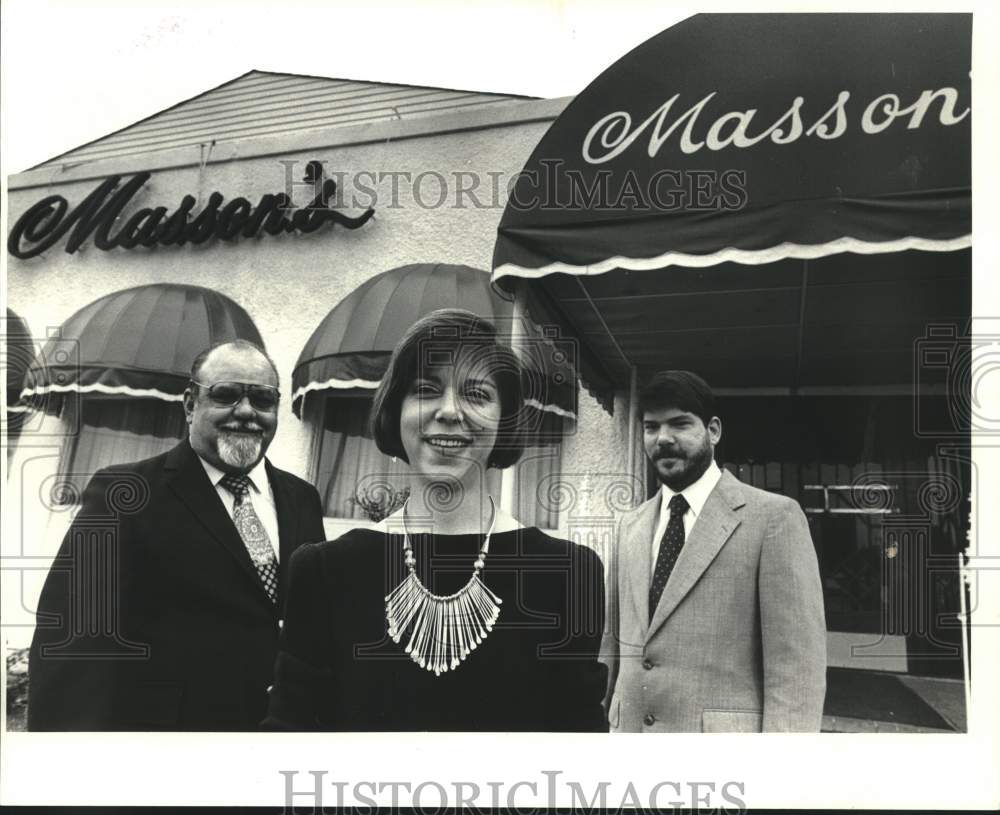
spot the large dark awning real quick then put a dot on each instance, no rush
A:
(838, 322)
(770, 199)
(137, 342)
(349, 351)
(18, 353)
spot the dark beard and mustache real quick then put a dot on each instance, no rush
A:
(241, 447)
(694, 467)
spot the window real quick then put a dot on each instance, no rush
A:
(115, 430)
(347, 464)
(537, 486)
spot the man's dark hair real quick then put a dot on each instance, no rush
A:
(242, 345)
(445, 334)
(682, 390)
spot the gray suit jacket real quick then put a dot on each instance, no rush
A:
(738, 640)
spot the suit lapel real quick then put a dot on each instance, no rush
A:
(189, 481)
(638, 542)
(284, 506)
(713, 527)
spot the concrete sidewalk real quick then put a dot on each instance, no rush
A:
(856, 701)
(872, 702)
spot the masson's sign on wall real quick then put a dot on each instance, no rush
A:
(45, 223)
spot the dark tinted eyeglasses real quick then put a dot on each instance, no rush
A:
(226, 394)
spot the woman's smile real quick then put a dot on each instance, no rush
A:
(448, 443)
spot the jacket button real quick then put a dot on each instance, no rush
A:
(649, 720)
(647, 665)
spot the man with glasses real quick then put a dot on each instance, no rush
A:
(189, 594)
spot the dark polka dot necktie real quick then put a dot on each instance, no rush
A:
(670, 548)
(252, 532)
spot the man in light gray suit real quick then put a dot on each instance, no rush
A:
(715, 607)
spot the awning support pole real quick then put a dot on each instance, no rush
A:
(508, 483)
(603, 322)
(802, 328)
(965, 622)
(633, 459)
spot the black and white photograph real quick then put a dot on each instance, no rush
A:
(405, 405)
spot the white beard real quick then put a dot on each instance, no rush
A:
(239, 450)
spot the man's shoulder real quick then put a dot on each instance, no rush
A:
(128, 488)
(650, 504)
(758, 501)
(348, 551)
(763, 498)
(143, 466)
(644, 505)
(290, 479)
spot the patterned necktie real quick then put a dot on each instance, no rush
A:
(252, 531)
(670, 548)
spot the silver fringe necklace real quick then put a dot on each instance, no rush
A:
(445, 630)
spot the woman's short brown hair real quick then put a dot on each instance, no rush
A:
(445, 332)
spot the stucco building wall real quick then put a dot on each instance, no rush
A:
(289, 283)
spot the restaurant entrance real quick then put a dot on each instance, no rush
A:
(888, 512)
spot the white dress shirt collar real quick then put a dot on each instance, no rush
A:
(695, 494)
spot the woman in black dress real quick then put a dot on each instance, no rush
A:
(449, 615)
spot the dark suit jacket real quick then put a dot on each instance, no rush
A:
(152, 616)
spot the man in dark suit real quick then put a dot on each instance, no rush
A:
(162, 608)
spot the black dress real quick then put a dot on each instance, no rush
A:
(338, 669)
